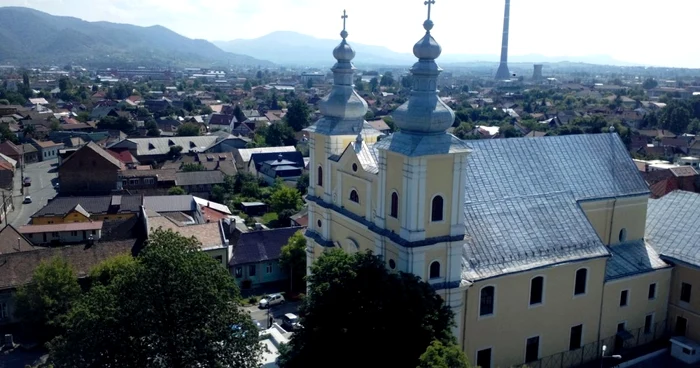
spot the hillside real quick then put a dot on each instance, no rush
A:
(291, 48)
(31, 37)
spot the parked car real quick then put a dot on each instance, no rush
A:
(27, 181)
(271, 300)
(27, 199)
(290, 322)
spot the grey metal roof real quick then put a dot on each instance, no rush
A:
(523, 233)
(590, 165)
(161, 145)
(260, 246)
(422, 144)
(175, 203)
(367, 156)
(248, 152)
(673, 226)
(632, 258)
(60, 206)
(199, 178)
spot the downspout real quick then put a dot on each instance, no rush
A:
(612, 218)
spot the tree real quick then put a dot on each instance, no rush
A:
(373, 83)
(439, 355)
(7, 134)
(246, 184)
(105, 272)
(176, 191)
(238, 114)
(64, 84)
(298, 114)
(309, 83)
(387, 79)
(284, 199)
(355, 298)
(277, 135)
(303, 183)
(650, 83)
(293, 259)
(188, 130)
(152, 314)
(218, 194)
(193, 166)
(43, 304)
(247, 86)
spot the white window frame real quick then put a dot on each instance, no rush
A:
(651, 325)
(268, 268)
(444, 214)
(539, 348)
(656, 290)
(529, 295)
(583, 333)
(476, 355)
(627, 300)
(493, 313)
(588, 275)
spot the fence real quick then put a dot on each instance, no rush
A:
(616, 344)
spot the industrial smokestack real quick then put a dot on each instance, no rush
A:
(537, 73)
(503, 73)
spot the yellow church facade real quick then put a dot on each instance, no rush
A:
(538, 245)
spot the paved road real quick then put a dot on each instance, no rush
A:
(41, 191)
(261, 315)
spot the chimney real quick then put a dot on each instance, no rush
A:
(503, 73)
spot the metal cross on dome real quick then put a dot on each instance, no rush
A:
(429, 3)
(345, 16)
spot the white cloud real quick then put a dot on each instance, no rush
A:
(660, 33)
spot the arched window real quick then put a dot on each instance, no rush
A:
(354, 197)
(437, 207)
(435, 270)
(394, 210)
(580, 282)
(319, 179)
(487, 301)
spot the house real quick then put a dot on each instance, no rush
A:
(662, 182)
(255, 260)
(90, 169)
(221, 122)
(158, 105)
(244, 129)
(149, 150)
(152, 182)
(47, 150)
(168, 126)
(12, 150)
(7, 174)
(226, 142)
(199, 182)
(380, 125)
(182, 208)
(213, 211)
(63, 234)
(101, 112)
(242, 156)
(287, 166)
(31, 154)
(85, 209)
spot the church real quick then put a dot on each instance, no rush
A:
(542, 247)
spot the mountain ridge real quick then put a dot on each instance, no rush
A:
(294, 48)
(32, 37)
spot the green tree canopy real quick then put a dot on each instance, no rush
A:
(43, 304)
(298, 114)
(277, 135)
(176, 191)
(650, 83)
(293, 259)
(303, 183)
(439, 355)
(108, 270)
(188, 130)
(387, 79)
(177, 307)
(285, 199)
(193, 166)
(354, 298)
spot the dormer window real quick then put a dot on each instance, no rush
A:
(151, 146)
(170, 142)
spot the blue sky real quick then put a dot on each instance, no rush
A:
(645, 32)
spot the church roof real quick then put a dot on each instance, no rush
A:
(673, 226)
(414, 145)
(516, 234)
(632, 258)
(591, 166)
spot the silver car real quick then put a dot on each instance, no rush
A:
(271, 300)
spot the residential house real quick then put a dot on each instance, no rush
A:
(47, 150)
(255, 260)
(242, 156)
(213, 211)
(199, 182)
(150, 150)
(380, 125)
(31, 154)
(90, 169)
(168, 126)
(662, 182)
(85, 209)
(221, 122)
(159, 105)
(244, 129)
(287, 166)
(150, 182)
(181, 208)
(7, 174)
(12, 150)
(63, 234)
(101, 112)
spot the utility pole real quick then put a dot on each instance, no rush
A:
(21, 168)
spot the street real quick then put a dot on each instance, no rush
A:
(277, 312)
(41, 190)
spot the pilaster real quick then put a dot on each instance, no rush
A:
(327, 171)
(313, 171)
(415, 171)
(379, 219)
(458, 191)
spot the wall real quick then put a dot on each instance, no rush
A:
(262, 276)
(515, 320)
(440, 168)
(678, 308)
(86, 171)
(394, 183)
(609, 216)
(45, 220)
(638, 303)
(64, 236)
